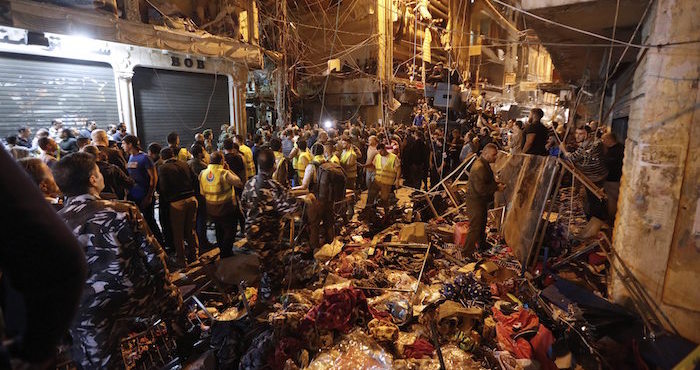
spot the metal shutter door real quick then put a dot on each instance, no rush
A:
(167, 101)
(35, 90)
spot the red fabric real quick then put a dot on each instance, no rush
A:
(339, 310)
(596, 259)
(508, 326)
(541, 343)
(286, 348)
(419, 349)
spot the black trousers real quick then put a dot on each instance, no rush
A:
(225, 227)
(164, 218)
(595, 207)
(149, 215)
(204, 242)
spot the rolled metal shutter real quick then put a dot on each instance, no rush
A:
(184, 102)
(35, 90)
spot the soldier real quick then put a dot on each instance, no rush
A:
(127, 278)
(265, 202)
(481, 187)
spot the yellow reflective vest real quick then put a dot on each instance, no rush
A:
(184, 155)
(319, 159)
(334, 159)
(385, 174)
(350, 166)
(248, 158)
(302, 160)
(218, 193)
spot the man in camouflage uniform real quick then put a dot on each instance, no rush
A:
(265, 202)
(127, 276)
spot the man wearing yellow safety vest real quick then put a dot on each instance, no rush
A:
(348, 160)
(216, 184)
(302, 158)
(318, 210)
(329, 152)
(388, 174)
(247, 156)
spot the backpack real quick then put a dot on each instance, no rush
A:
(330, 182)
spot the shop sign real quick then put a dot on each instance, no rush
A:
(510, 78)
(528, 86)
(188, 62)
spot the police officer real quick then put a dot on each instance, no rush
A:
(216, 184)
(265, 202)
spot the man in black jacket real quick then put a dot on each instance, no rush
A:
(481, 187)
(176, 182)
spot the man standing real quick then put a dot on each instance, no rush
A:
(348, 160)
(614, 154)
(43, 178)
(387, 176)
(56, 129)
(418, 119)
(197, 165)
(114, 155)
(535, 134)
(23, 135)
(588, 158)
(288, 142)
(86, 131)
(49, 148)
(128, 277)
(281, 167)
(481, 187)
(236, 163)
(141, 169)
(369, 168)
(265, 202)
(320, 210)
(216, 184)
(247, 156)
(174, 144)
(120, 134)
(176, 186)
(117, 182)
(302, 158)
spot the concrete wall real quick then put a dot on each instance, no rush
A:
(657, 231)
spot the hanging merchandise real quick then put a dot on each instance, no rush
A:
(427, 40)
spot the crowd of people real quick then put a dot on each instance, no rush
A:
(109, 189)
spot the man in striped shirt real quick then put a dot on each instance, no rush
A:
(588, 158)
